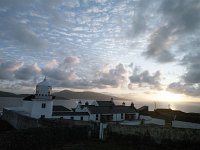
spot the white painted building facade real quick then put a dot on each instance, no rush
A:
(42, 103)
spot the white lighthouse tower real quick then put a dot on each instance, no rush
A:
(42, 104)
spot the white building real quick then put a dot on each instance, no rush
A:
(41, 105)
(107, 111)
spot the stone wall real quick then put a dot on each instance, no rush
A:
(158, 134)
(182, 124)
(19, 121)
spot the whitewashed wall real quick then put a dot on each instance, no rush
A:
(117, 117)
(93, 117)
(85, 118)
(131, 123)
(95, 103)
(27, 106)
(182, 124)
(150, 120)
(136, 115)
(37, 109)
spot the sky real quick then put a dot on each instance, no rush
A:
(138, 48)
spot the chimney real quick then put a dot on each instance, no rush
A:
(111, 99)
(132, 104)
(79, 103)
(86, 103)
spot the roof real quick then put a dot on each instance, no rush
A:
(111, 109)
(44, 83)
(58, 108)
(143, 108)
(29, 98)
(105, 103)
(70, 113)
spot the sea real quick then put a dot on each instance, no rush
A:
(182, 106)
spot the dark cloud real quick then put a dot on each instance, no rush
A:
(61, 71)
(21, 34)
(69, 61)
(188, 89)
(8, 69)
(138, 26)
(180, 18)
(159, 44)
(27, 72)
(140, 18)
(181, 14)
(67, 79)
(190, 81)
(112, 78)
(145, 79)
(192, 64)
(55, 73)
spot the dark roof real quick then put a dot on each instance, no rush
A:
(59, 108)
(111, 109)
(105, 103)
(70, 113)
(29, 98)
(143, 108)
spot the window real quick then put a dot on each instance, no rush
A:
(43, 105)
(97, 117)
(81, 117)
(122, 116)
(72, 118)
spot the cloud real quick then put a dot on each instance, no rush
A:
(52, 64)
(192, 64)
(55, 73)
(189, 83)
(21, 34)
(27, 72)
(160, 41)
(113, 77)
(72, 4)
(139, 23)
(71, 60)
(7, 69)
(188, 89)
(145, 79)
(181, 14)
(179, 19)
(66, 79)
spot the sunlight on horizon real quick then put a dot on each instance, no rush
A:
(168, 97)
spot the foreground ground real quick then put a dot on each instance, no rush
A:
(76, 138)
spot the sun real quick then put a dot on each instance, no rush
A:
(168, 96)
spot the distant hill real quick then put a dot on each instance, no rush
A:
(84, 95)
(67, 94)
(7, 94)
